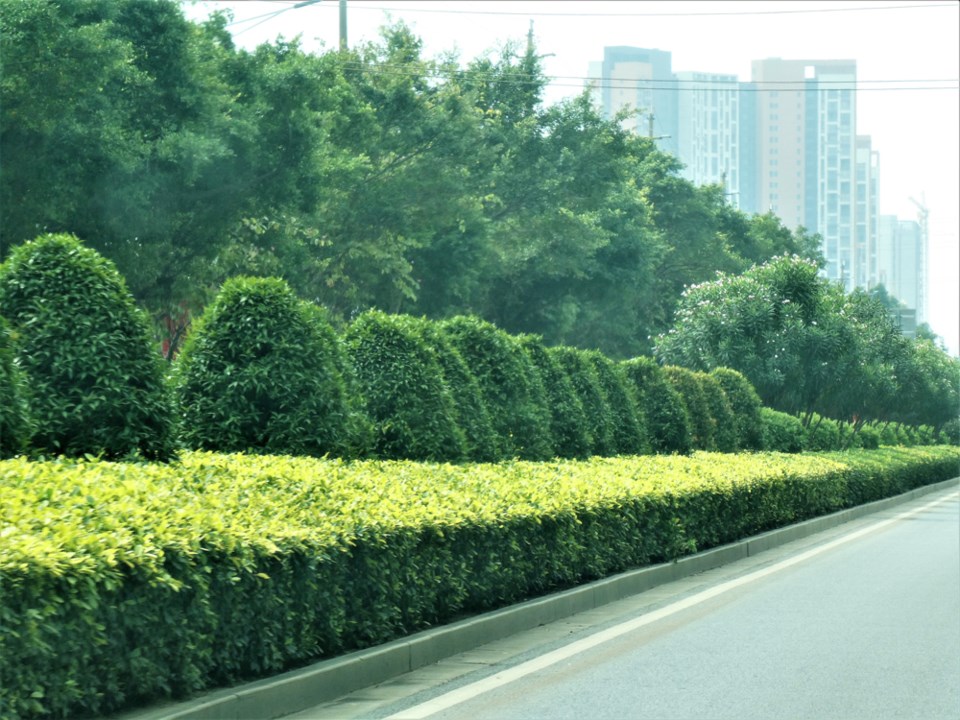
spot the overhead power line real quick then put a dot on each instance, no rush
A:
(734, 13)
(665, 84)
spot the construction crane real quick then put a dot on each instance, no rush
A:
(923, 214)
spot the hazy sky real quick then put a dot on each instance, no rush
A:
(914, 122)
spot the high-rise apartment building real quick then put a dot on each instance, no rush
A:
(806, 137)
(708, 130)
(866, 213)
(900, 256)
(641, 80)
(785, 142)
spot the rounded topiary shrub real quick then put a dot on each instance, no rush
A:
(405, 395)
(509, 384)
(925, 435)
(950, 432)
(888, 434)
(782, 432)
(629, 434)
(666, 421)
(14, 419)
(868, 438)
(822, 434)
(725, 436)
(745, 404)
(259, 373)
(702, 424)
(96, 378)
(358, 429)
(596, 408)
(568, 422)
(471, 411)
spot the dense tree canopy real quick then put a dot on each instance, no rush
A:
(368, 178)
(377, 178)
(809, 348)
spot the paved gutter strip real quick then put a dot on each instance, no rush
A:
(327, 680)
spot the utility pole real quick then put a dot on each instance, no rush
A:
(343, 25)
(650, 129)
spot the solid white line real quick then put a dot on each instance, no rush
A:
(468, 692)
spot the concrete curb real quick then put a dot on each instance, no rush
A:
(327, 680)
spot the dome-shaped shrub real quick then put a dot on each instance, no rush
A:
(950, 432)
(724, 424)
(745, 404)
(568, 423)
(867, 438)
(404, 391)
(629, 434)
(471, 411)
(510, 386)
(782, 432)
(259, 373)
(96, 380)
(596, 409)
(667, 424)
(822, 434)
(14, 420)
(702, 424)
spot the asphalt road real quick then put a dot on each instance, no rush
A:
(862, 621)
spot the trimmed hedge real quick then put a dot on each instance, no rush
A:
(404, 390)
(14, 416)
(745, 404)
(124, 584)
(782, 432)
(471, 412)
(822, 434)
(725, 435)
(96, 378)
(702, 424)
(259, 373)
(600, 422)
(568, 422)
(667, 423)
(509, 384)
(629, 433)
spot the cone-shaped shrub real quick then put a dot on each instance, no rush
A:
(629, 434)
(745, 404)
(724, 421)
(782, 432)
(471, 411)
(359, 428)
(568, 423)
(662, 407)
(96, 380)
(14, 420)
(510, 386)
(702, 424)
(403, 388)
(583, 377)
(259, 374)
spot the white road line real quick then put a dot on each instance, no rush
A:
(468, 692)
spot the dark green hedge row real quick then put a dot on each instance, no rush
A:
(124, 584)
(263, 371)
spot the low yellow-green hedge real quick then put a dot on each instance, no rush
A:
(124, 583)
